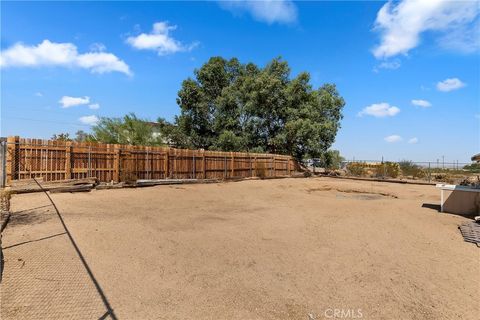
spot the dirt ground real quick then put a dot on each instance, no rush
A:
(272, 249)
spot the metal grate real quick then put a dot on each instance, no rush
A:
(471, 232)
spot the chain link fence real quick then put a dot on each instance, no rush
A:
(430, 171)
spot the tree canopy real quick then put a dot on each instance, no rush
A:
(127, 130)
(232, 106)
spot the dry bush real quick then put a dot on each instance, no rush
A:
(388, 169)
(5, 200)
(356, 168)
(443, 177)
(409, 169)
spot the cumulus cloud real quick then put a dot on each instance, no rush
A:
(413, 140)
(269, 11)
(89, 120)
(421, 103)
(393, 138)
(49, 53)
(379, 110)
(68, 102)
(159, 40)
(94, 106)
(450, 84)
(401, 24)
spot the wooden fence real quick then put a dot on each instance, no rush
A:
(59, 160)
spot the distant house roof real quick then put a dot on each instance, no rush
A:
(476, 157)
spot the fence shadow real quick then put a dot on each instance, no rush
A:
(46, 279)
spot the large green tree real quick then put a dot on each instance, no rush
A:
(232, 106)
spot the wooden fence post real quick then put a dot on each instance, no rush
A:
(204, 167)
(116, 163)
(68, 160)
(166, 164)
(13, 162)
(174, 169)
(232, 165)
(250, 163)
(274, 167)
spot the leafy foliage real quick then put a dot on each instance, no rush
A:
(331, 159)
(126, 130)
(474, 167)
(231, 106)
(63, 136)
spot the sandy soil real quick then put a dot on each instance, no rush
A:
(272, 249)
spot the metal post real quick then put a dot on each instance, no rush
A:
(429, 172)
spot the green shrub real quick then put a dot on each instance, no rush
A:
(474, 167)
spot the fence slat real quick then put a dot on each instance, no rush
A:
(57, 160)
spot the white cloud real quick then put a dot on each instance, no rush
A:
(380, 110)
(269, 11)
(401, 23)
(98, 47)
(38, 94)
(464, 39)
(413, 140)
(94, 106)
(421, 103)
(393, 138)
(89, 120)
(50, 53)
(450, 84)
(389, 65)
(159, 40)
(68, 102)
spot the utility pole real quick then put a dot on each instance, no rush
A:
(443, 162)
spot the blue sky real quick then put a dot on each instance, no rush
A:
(409, 71)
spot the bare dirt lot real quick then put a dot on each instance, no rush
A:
(271, 249)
